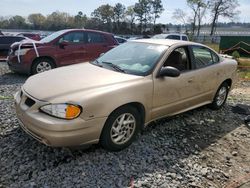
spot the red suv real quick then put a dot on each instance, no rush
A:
(61, 48)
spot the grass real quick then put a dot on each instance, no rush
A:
(244, 61)
(6, 97)
(215, 47)
(245, 74)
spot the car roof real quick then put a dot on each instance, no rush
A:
(166, 42)
(98, 31)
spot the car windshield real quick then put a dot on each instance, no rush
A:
(52, 36)
(132, 58)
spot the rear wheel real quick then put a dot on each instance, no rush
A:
(41, 65)
(120, 129)
(220, 96)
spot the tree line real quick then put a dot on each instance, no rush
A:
(135, 19)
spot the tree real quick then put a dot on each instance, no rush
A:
(196, 6)
(59, 20)
(143, 12)
(223, 8)
(180, 16)
(37, 20)
(130, 13)
(200, 16)
(104, 13)
(157, 9)
(119, 14)
(80, 20)
(17, 22)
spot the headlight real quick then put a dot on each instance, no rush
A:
(22, 51)
(65, 111)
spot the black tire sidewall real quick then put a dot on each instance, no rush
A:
(105, 139)
(36, 62)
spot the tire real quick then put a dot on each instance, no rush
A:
(41, 65)
(220, 96)
(114, 136)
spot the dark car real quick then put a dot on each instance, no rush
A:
(5, 43)
(33, 36)
(61, 48)
(1, 33)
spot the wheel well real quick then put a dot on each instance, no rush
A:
(41, 57)
(138, 106)
(229, 82)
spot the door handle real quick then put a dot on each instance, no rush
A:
(190, 80)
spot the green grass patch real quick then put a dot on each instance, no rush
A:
(6, 97)
(244, 74)
(215, 47)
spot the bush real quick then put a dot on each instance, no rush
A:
(236, 55)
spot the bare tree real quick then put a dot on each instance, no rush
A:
(201, 14)
(197, 7)
(180, 16)
(223, 8)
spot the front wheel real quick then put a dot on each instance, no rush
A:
(120, 129)
(42, 65)
(220, 96)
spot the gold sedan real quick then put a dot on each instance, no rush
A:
(111, 99)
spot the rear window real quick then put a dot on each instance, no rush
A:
(204, 56)
(174, 37)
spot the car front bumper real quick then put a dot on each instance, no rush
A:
(53, 131)
(23, 66)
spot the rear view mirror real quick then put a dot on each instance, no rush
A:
(168, 72)
(101, 54)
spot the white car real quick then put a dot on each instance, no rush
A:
(173, 36)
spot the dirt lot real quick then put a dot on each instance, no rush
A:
(200, 148)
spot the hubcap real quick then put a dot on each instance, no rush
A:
(221, 97)
(43, 66)
(123, 128)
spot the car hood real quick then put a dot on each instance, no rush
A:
(27, 43)
(71, 79)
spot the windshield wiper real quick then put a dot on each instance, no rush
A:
(96, 62)
(114, 66)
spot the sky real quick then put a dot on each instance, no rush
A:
(26, 7)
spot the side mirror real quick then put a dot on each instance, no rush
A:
(101, 54)
(168, 72)
(63, 43)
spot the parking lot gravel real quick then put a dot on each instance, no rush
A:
(199, 148)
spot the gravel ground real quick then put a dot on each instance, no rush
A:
(200, 148)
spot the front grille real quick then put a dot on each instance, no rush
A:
(29, 102)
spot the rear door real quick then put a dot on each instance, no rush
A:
(74, 51)
(206, 70)
(97, 43)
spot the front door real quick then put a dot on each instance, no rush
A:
(74, 50)
(172, 95)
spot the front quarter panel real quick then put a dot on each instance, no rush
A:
(102, 101)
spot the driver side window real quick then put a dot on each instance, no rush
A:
(73, 37)
(178, 59)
